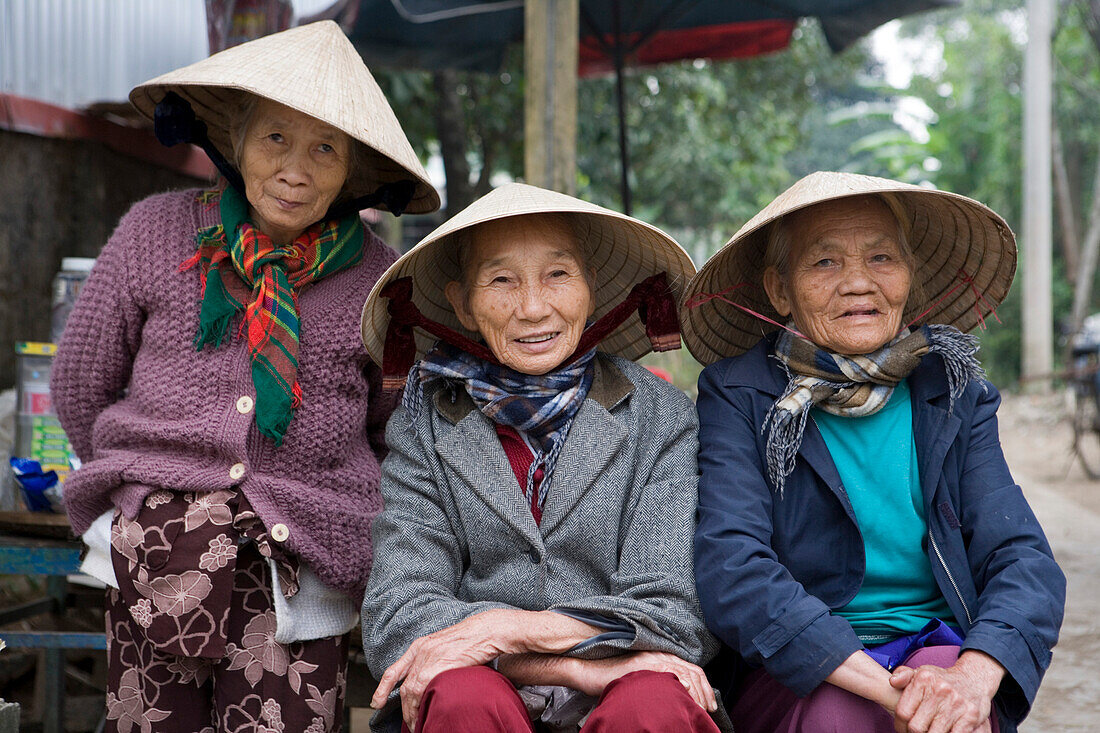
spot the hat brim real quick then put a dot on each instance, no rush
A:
(622, 250)
(965, 262)
(315, 70)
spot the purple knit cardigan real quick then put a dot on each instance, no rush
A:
(144, 410)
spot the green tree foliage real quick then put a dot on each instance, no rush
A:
(1077, 96)
(975, 95)
(974, 145)
(709, 141)
(473, 121)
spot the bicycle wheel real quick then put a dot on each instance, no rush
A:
(1086, 428)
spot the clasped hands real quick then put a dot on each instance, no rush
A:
(955, 699)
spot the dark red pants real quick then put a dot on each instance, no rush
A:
(483, 700)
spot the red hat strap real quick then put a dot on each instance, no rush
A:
(652, 298)
(399, 352)
(656, 306)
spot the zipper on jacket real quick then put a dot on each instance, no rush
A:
(950, 577)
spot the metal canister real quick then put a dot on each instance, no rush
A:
(66, 287)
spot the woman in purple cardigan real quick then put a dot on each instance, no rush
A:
(212, 381)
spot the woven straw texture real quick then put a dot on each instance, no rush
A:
(953, 238)
(623, 251)
(314, 69)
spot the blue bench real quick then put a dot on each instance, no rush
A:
(54, 559)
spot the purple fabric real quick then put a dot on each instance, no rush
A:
(144, 410)
(764, 705)
(935, 633)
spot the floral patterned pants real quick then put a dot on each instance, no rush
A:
(191, 643)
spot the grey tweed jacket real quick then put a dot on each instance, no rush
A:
(456, 537)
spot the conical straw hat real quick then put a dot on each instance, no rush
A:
(965, 255)
(623, 251)
(314, 69)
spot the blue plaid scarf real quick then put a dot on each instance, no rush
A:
(542, 406)
(855, 386)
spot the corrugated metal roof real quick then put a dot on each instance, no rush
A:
(73, 53)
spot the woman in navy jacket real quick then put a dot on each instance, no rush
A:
(817, 534)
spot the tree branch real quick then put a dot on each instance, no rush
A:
(484, 135)
(450, 125)
(1090, 11)
(1067, 217)
(1090, 249)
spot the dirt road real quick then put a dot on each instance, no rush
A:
(1036, 440)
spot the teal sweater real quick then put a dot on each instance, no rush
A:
(877, 462)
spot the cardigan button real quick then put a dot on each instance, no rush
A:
(244, 405)
(280, 532)
(534, 553)
(236, 471)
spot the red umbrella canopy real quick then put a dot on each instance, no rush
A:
(474, 34)
(727, 41)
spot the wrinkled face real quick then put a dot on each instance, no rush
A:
(293, 167)
(525, 292)
(848, 280)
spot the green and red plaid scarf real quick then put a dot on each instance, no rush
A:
(250, 273)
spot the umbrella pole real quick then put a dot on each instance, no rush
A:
(551, 35)
(624, 150)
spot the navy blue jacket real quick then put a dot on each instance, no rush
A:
(769, 569)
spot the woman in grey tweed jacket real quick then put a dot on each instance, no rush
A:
(539, 496)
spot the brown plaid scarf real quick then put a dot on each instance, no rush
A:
(855, 386)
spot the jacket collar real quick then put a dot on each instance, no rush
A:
(757, 368)
(609, 387)
(934, 429)
(594, 439)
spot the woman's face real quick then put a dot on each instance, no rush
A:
(525, 292)
(293, 167)
(848, 280)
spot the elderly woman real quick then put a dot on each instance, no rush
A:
(539, 492)
(212, 381)
(862, 548)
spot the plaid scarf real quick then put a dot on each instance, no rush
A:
(253, 274)
(855, 386)
(542, 406)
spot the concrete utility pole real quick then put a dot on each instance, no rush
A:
(1037, 313)
(550, 65)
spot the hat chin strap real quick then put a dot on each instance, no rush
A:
(174, 122)
(394, 197)
(652, 298)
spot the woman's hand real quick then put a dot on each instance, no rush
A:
(957, 699)
(861, 675)
(474, 641)
(469, 643)
(593, 675)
